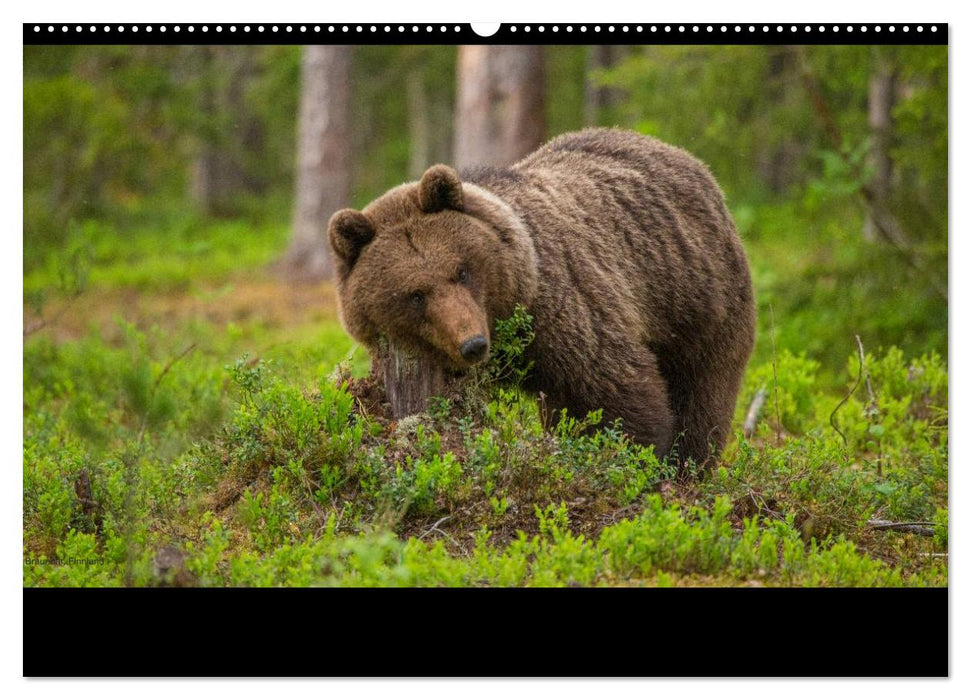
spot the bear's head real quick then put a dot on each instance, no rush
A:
(430, 266)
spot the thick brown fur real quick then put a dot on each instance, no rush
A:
(620, 247)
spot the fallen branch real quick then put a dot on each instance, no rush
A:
(752, 417)
(872, 408)
(917, 528)
(435, 528)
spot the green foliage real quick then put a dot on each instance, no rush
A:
(818, 284)
(385, 79)
(95, 117)
(511, 339)
(893, 464)
(662, 542)
(327, 497)
(789, 381)
(727, 104)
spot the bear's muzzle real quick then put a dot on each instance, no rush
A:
(474, 349)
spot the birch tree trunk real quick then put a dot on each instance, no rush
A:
(500, 110)
(323, 180)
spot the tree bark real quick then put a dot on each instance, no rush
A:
(594, 95)
(202, 174)
(419, 124)
(323, 182)
(779, 157)
(597, 99)
(880, 103)
(409, 380)
(233, 137)
(500, 109)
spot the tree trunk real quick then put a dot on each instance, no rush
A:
(600, 103)
(419, 124)
(499, 112)
(323, 181)
(594, 95)
(203, 170)
(778, 160)
(881, 102)
(232, 138)
(409, 380)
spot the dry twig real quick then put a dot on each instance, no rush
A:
(859, 377)
(775, 376)
(435, 528)
(918, 528)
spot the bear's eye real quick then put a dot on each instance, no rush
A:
(462, 276)
(416, 300)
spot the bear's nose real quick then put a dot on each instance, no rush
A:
(474, 349)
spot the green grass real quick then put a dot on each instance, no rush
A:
(818, 284)
(238, 443)
(182, 255)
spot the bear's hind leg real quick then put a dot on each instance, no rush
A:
(704, 403)
(633, 391)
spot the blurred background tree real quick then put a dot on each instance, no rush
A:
(833, 158)
(499, 115)
(323, 182)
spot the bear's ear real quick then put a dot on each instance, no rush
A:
(349, 231)
(440, 188)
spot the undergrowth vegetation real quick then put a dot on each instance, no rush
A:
(147, 465)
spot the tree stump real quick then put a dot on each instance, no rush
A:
(409, 380)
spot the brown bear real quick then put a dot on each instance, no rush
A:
(620, 247)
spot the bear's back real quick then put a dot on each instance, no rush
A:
(624, 164)
(632, 229)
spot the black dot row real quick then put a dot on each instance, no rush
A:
(401, 29)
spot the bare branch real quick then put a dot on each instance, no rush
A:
(859, 377)
(434, 528)
(752, 417)
(918, 528)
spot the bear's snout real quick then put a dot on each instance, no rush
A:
(475, 348)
